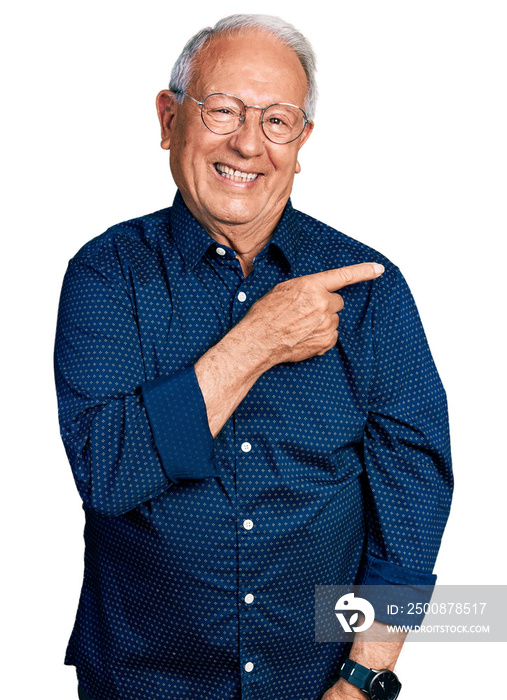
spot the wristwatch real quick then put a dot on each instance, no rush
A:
(377, 685)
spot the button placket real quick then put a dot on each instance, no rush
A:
(243, 298)
(247, 547)
(249, 526)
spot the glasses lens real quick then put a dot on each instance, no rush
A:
(222, 113)
(283, 123)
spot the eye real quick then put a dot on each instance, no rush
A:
(223, 112)
(276, 121)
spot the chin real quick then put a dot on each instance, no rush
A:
(232, 213)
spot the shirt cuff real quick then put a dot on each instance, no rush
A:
(391, 587)
(179, 423)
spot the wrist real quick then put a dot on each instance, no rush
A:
(375, 683)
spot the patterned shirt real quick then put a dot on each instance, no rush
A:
(202, 555)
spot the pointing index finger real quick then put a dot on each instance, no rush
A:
(340, 277)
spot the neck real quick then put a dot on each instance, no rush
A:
(245, 245)
(245, 239)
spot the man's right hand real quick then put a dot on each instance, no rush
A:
(298, 318)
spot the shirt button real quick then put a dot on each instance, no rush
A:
(246, 447)
(242, 296)
(220, 251)
(249, 666)
(247, 524)
(249, 598)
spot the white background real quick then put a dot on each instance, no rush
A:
(408, 155)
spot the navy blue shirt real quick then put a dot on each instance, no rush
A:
(202, 555)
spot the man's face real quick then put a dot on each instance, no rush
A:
(260, 71)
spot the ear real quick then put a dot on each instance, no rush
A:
(302, 140)
(306, 134)
(166, 105)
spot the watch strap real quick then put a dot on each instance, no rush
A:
(357, 675)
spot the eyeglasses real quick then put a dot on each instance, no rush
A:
(223, 114)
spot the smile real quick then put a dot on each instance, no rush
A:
(235, 175)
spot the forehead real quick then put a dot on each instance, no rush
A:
(253, 65)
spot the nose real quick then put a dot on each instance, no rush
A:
(249, 139)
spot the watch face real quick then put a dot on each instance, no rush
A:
(385, 686)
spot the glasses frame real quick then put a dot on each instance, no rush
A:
(306, 121)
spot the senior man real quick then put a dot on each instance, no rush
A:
(232, 449)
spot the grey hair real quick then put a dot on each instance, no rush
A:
(181, 74)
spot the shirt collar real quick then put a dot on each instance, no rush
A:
(193, 241)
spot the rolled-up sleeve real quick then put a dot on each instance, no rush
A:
(184, 443)
(127, 439)
(407, 474)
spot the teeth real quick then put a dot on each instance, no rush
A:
(235, 175)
